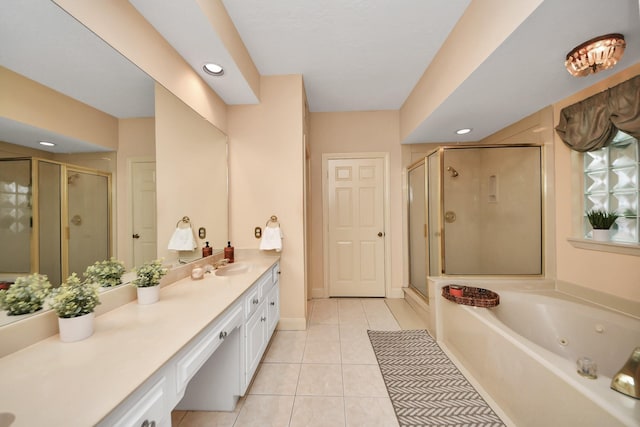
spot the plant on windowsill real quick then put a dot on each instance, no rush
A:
(26, 295)
(106, 273)
(601, 221)
(74, 302)
(147, 281)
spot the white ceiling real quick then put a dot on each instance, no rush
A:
(353, 55)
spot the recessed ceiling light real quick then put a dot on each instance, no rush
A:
(213, 69)
(463, 131)
(47, 144)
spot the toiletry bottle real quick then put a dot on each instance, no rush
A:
(228, 252)
(207, 250)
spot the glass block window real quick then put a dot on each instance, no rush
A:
(611, 183)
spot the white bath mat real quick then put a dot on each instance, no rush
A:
(425, 387)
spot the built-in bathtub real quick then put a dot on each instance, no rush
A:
(523, 354)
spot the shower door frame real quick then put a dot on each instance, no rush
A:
(422, 162)
(543, 209)
(64, 217)
(66, 233)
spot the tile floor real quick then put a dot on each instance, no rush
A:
(326, 376)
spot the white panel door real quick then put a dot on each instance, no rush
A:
(356, 227)
(144, 234)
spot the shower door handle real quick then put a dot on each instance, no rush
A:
(380, 234)
(136, 236)
(450, 216)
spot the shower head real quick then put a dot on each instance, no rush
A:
(452, 171)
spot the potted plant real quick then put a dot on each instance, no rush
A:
(601, 221)
(74, 302)
(106, 273)
(26, 295)
(147, 281)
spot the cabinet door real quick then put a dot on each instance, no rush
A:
(273, 309)
(256, 340)
(149, 406)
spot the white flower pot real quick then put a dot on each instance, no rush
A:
(76, 328)
(148, 295)
(601, 235)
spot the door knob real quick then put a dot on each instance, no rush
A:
(136, 236)
(380, 234)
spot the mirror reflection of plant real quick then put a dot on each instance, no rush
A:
(26, 295)
(601, 219)
(106, 273)
(74, 298)
(149, 274)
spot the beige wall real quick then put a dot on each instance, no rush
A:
(610, 273)
(191, 174)
(266, 159)
(355, 132)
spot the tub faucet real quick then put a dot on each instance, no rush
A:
(627, 380)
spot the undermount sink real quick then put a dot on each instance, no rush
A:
(233, 269)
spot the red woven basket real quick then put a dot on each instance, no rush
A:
(476, 297)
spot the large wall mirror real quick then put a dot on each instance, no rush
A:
(63, 84)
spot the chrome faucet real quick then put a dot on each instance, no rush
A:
(627, 380)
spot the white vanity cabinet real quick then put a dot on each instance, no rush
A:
(262, 307)
(149, 406)
(208, 371)
(197, 349)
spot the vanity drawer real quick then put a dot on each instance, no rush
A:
(199, 351)
(149, 407)
(255, 295)
(252, 300)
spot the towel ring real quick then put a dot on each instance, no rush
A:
(184, 220)
(273, 219)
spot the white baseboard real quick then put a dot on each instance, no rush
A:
(318, 293)
(396, 293)
(292, 324)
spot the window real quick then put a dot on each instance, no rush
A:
(611, 183)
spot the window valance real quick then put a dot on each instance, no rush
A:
(592, 123)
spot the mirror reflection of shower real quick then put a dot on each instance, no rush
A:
(454, 173)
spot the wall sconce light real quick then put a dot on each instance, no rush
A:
(600, 53)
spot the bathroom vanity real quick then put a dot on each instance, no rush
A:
(197, 348)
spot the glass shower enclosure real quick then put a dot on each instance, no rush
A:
(55, 218)
(475, 211)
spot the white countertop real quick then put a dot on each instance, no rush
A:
(69, 384)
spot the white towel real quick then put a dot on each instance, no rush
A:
(271, 239)
(182, 240)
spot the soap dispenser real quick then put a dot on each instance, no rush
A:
(207, 250)
(228, 252)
